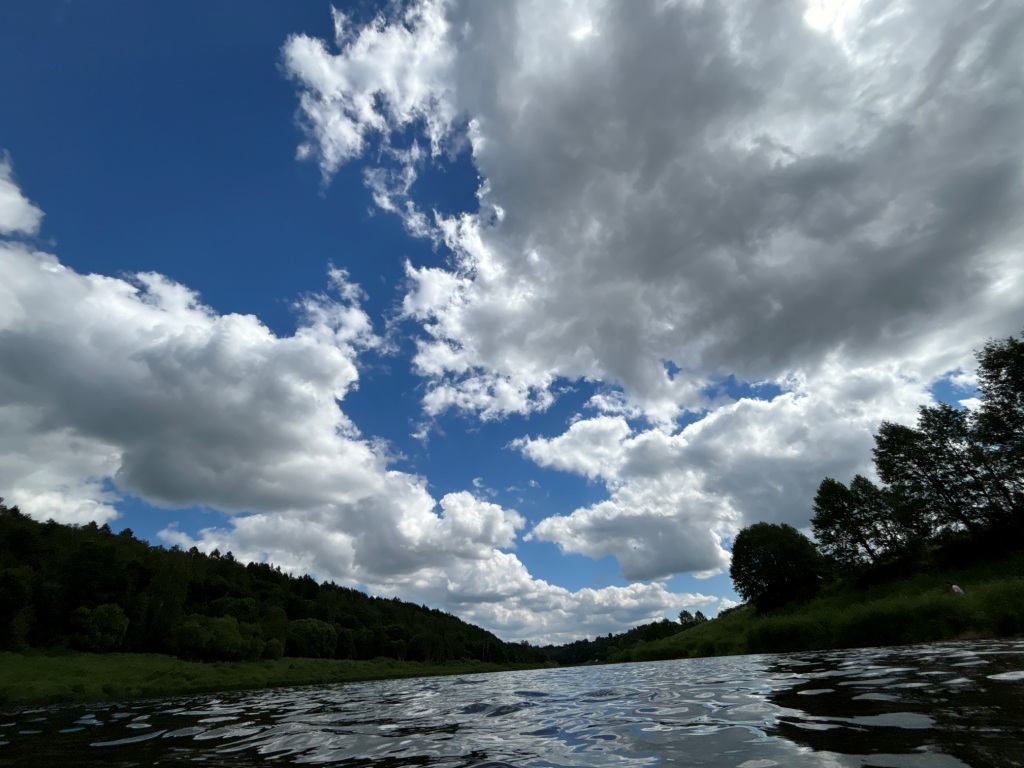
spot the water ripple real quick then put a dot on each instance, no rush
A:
(933, 706)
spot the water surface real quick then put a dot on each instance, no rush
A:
(933, 706)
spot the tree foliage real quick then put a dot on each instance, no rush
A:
(957, 475)
(98, 629)
(602, 648)
(860, 524)
(88, 588)
(774, 564)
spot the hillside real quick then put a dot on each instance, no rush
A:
(87, 589)
(913, 609)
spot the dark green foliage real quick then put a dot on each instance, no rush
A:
(17, 586)
(782, 634)
(273, 649)
(999, 423)
(606, 648)
(954, 483)
(910, 609)
(774, 564)
(85, 587)
(859, 525)
(940, 465)
(100, 629)
(311, 639)
(688, 619)
(207, 638)
(902, 620)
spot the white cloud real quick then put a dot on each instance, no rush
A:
(500, 594)
(114, 385)
(55, 473)
(390, 75)
(18, 216)
(824, 196)
(733, 188)
(675, 499)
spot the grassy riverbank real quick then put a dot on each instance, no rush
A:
(40, 678)
(913, 610)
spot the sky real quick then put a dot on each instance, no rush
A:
(517, 310)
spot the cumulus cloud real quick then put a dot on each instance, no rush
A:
(115, 385)
(391, 76)
(726, 187)
(677, 499)
(819, 197)
(18, 216)
(823, 197)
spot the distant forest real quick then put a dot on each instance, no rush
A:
(87, 588)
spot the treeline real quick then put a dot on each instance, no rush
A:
(951, 492)
(89, 589)
(602, 648)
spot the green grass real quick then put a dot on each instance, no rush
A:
(912, 610)
(41, 678)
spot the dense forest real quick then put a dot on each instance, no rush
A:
(951, 493)
(87, 588)
(601, 648)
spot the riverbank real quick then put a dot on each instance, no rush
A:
(914, 610)
(41, 678)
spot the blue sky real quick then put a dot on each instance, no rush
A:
(519, 311)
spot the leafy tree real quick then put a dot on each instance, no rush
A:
(858, 525)
(100, 629)
(273, 649)
(311, 638)
(16, 612)
(774, 564)
(688, 619)
(941, 465)
(1000, 421)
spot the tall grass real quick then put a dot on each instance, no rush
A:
(40, 678)
(917, 609)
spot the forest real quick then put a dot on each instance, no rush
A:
(86, 588)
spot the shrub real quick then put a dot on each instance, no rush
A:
(781, 634)
(311, 638)
(100, 629)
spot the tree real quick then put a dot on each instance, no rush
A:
(774, 564)
(688, 619)
(859, 525)
(100, 629)
(941, 465)
(311, 638)
(999, 421)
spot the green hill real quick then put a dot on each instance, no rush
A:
(914, 609)
(84, 588)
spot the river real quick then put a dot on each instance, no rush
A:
(933, 706)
